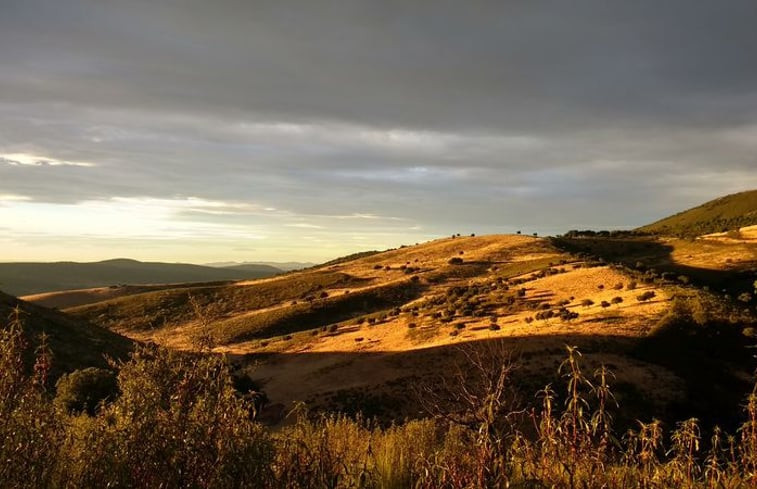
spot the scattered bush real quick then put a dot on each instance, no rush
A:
(648, 295)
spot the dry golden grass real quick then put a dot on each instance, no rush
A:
(72, 298)
(746, 234)
(305, 348)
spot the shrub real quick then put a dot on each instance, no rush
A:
(455, 261)
(618, 286)
(616, 300)
(649, 294)
(178, 423)
(631, 285)
(83, 390)
(30, 431)
(587, 302)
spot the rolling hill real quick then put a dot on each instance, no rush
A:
(720, 215)
(360, 332)
(74, 343)
(32, 278)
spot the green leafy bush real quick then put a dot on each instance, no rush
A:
(82, 390)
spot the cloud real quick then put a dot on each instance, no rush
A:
(365, 117)
(24, 159)
(303, 225)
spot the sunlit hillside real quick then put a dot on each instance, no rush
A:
(384, 321)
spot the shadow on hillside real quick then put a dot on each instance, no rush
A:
(653, 254)
(74, 344)
(320, 313)
(383, 384)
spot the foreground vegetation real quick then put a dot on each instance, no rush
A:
(178, 421)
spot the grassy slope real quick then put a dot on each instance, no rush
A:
(173, 306)
(31, 278)
(389, 329)
(723, 214)
(75, 343)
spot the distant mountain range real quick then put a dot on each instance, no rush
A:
(32, 278)
(286, 266)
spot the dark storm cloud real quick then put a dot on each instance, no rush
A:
(488, 114)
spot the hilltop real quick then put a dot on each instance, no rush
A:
(724, 214)
(75, 343)
(362, 332)
(32, 278)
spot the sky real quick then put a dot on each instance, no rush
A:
(197, 131)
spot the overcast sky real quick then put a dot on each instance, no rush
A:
(251, 130)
